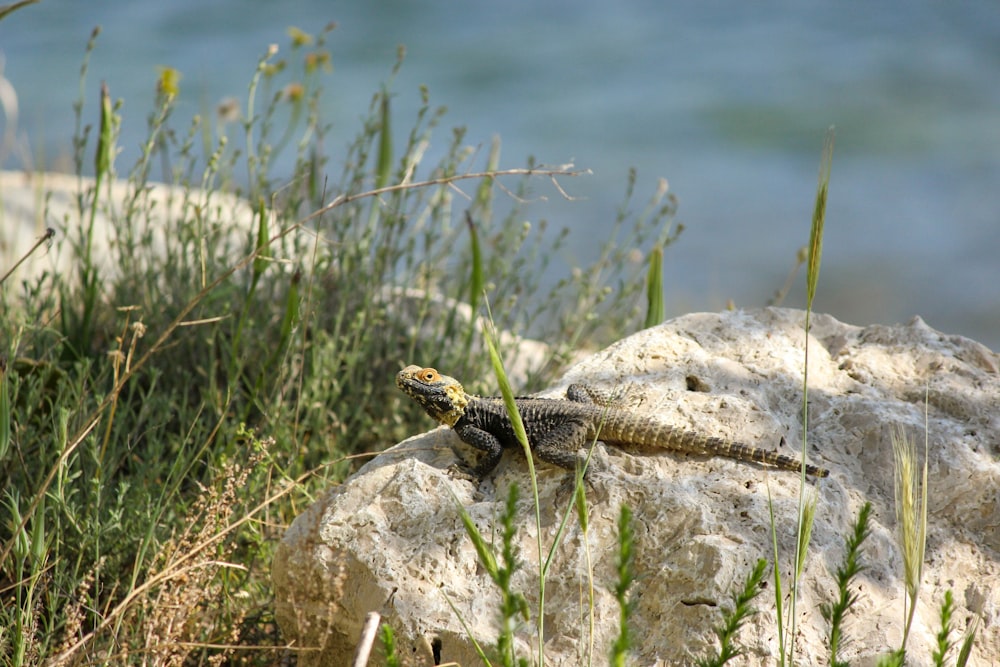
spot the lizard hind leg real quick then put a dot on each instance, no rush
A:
(619, 398)
(561, 444)
(580, 393)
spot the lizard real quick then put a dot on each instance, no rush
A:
(557, 429)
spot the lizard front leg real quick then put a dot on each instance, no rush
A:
(484, 441)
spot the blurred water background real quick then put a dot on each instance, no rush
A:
(728, 101)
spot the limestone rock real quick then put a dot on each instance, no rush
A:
(32, 202)
(422, 311)
(390, 538)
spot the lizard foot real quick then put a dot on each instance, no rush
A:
(463, 471)
(567, 488)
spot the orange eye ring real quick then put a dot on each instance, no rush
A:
(429, 375)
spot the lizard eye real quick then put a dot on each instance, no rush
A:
(429, 375)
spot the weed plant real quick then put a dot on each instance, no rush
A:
(734, 619)
(168, 409)
(835, 612)
(626, 577)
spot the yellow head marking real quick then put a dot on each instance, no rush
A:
(441, 396)
(459, 400)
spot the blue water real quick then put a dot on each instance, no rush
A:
(728, 101)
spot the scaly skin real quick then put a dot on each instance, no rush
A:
(558, 429)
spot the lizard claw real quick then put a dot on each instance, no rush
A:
(463, 471)
(595, 492)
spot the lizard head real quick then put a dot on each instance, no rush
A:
(441, 396)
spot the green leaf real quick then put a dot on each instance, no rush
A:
(476, 280)
(486, 556)
(263, 250)
(654, 288)
(383, 168)
(4, 411)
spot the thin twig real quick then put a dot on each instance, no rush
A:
(565, 170)
(364, 649)
(47, 236)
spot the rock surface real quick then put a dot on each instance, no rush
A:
(32, 202)
(390, 538)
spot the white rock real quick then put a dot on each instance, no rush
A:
(390, 539)
(422, 313)
(31, 203)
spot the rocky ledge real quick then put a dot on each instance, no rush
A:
(390, 539)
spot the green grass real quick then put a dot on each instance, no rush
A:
(622, 588)
(835, 612)
(735, 618)
(807, 500)
(162, 421)
(514, 608)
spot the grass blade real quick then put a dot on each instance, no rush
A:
(383, 166)
(911, 517)
(819, 217)
(477, 281)
(4, 411)
(522, 437)
(654, 288)
(806, 521)
(965, 651)
(778, 596)
(812, 279)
